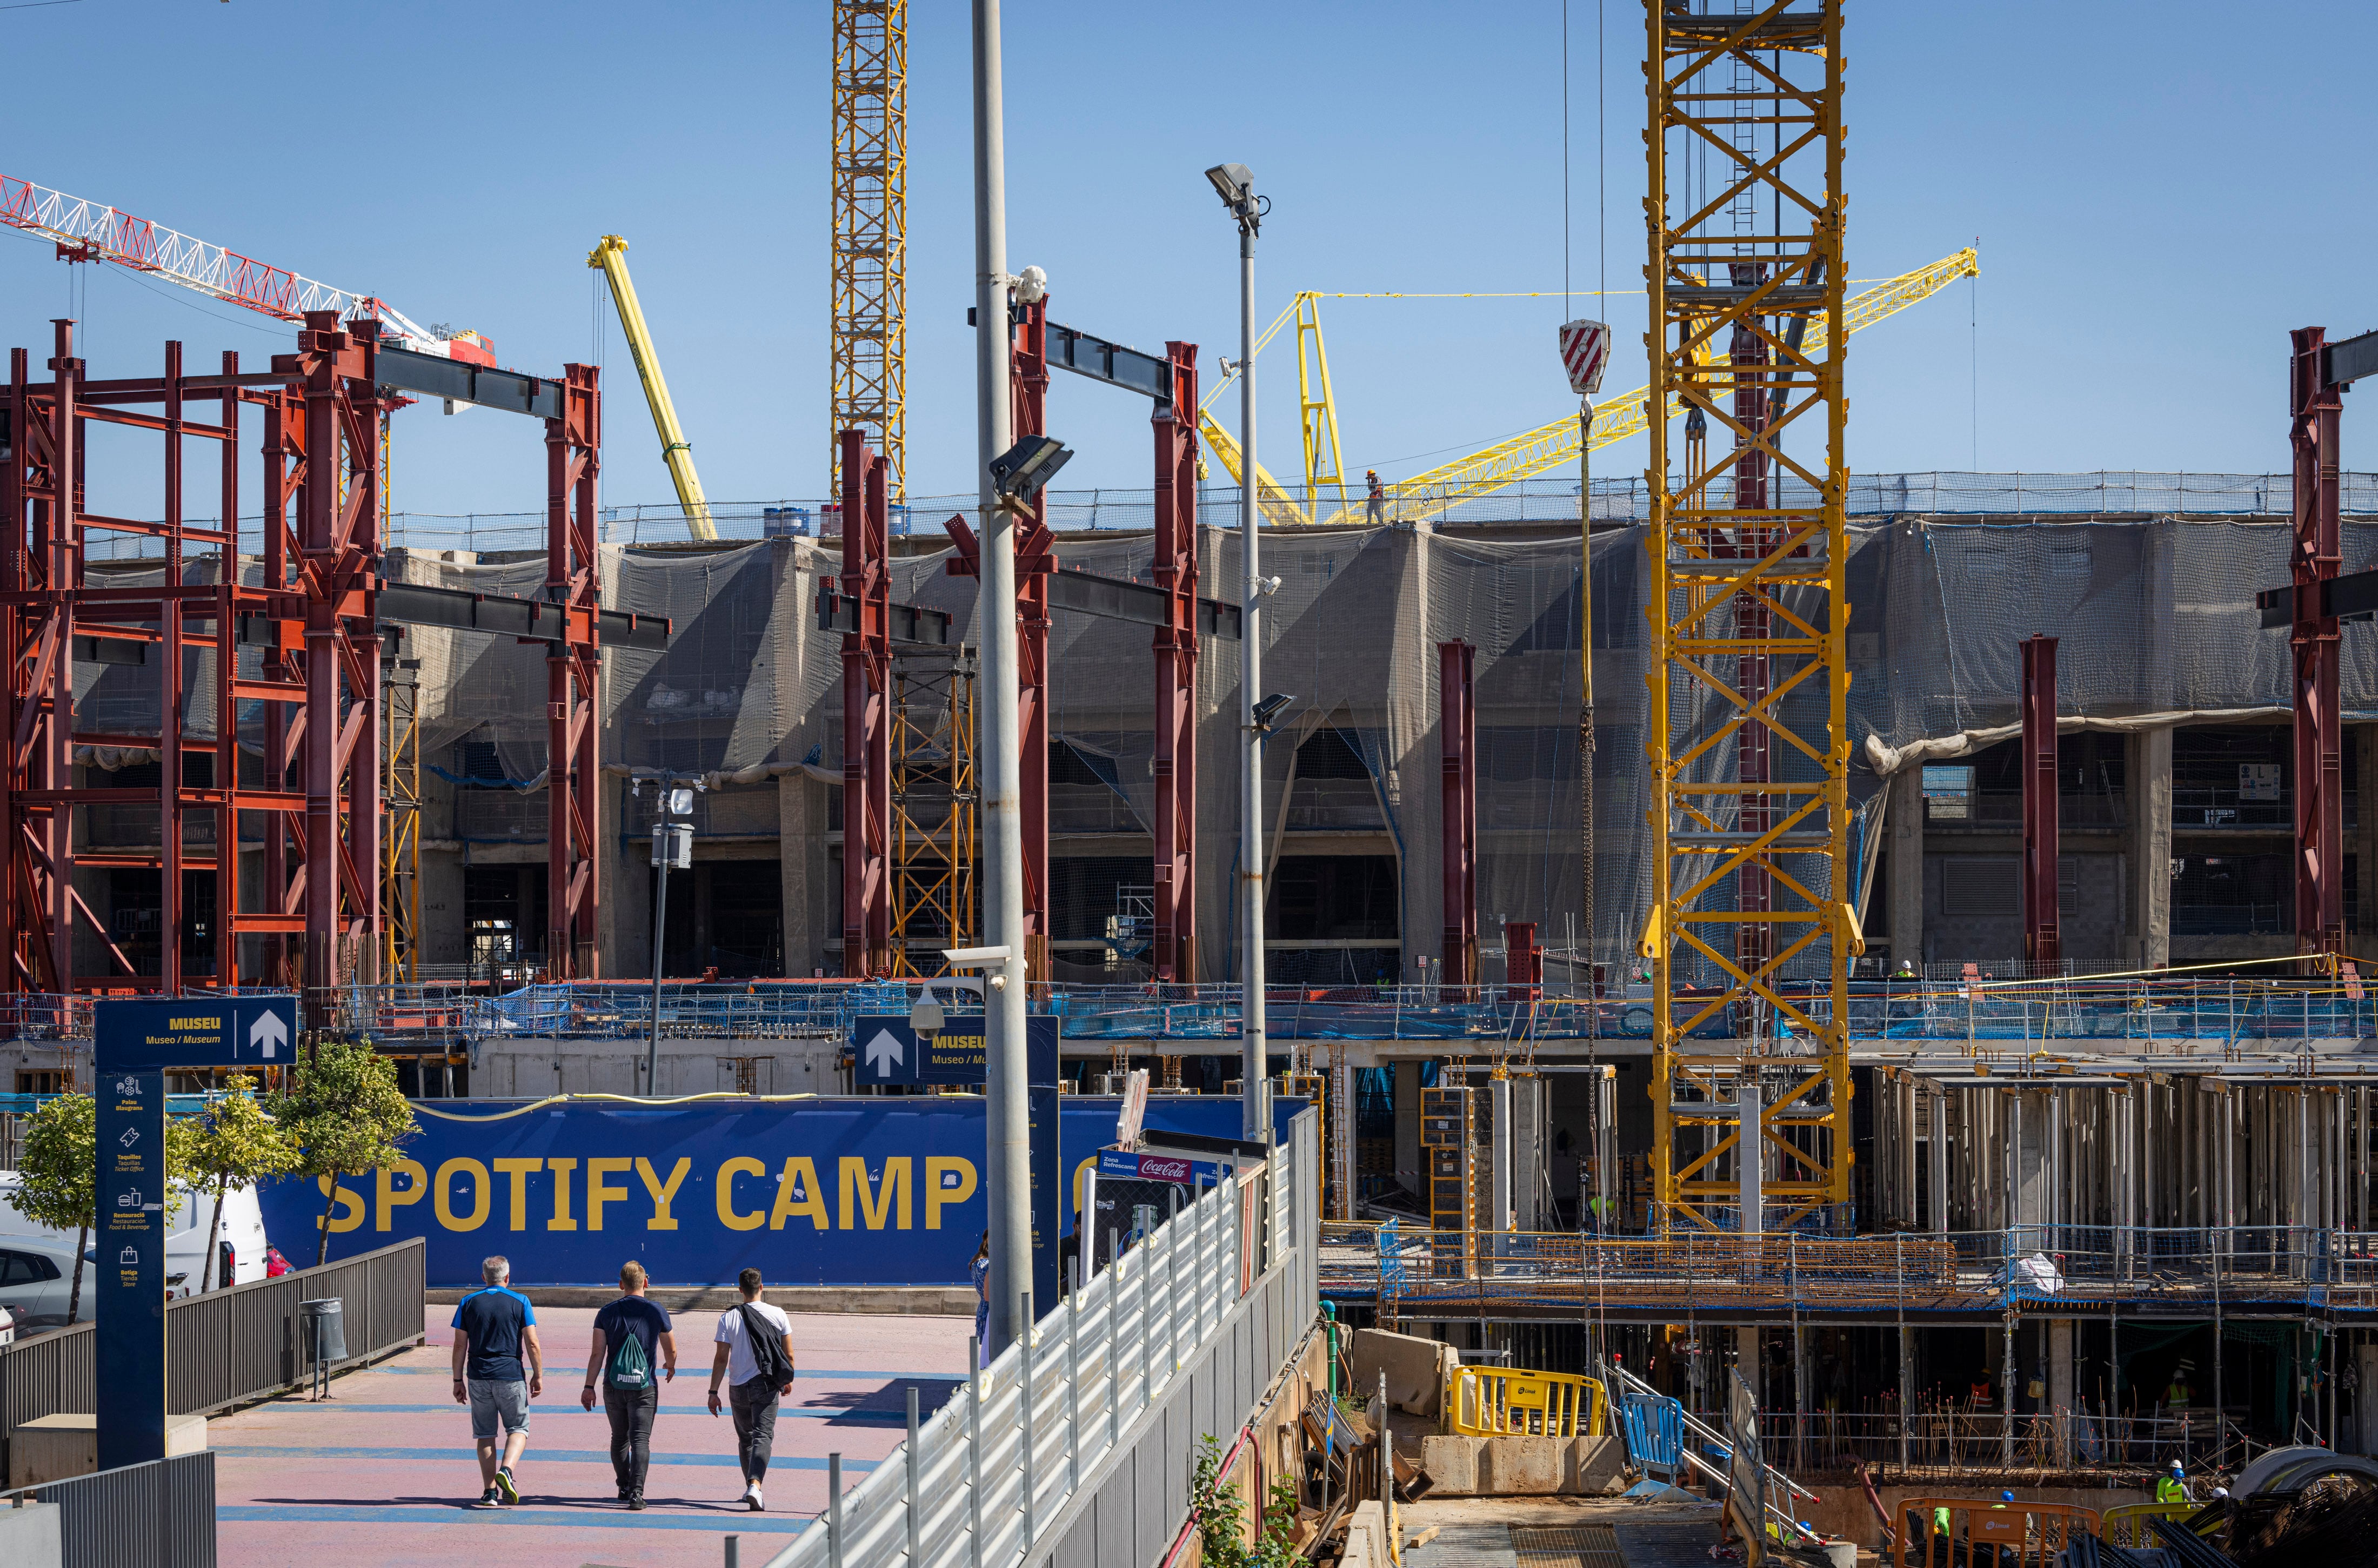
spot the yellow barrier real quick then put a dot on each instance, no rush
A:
(2126, 1525)
(1490, 1402)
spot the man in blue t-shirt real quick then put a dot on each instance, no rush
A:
(495, 1330)
(633, 1350)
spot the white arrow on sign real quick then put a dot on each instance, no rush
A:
(268, 1033)
(883, 1053)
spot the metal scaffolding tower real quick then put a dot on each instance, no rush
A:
(932, 865)
(871, 231)
(1750, 746)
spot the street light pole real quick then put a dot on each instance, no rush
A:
(1008, 1161)
(1236, 187)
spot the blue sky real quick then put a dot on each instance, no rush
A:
(2155, 200)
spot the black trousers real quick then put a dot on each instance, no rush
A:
(753, 1405)
(632, 1412)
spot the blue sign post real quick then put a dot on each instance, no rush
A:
(885, 1051)
(130, 1277)
(136, 1040)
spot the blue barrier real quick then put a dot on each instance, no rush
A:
(809, 1191)
(1653, 1425)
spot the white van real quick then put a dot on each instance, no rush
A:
(29, 1253)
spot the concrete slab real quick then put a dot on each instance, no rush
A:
(392, 1452)
(30, 1538)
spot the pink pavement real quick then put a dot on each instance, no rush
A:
(383, 1474)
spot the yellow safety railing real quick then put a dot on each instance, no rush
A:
(2126, 1525)
(1492, 1402)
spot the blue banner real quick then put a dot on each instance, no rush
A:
(809, 1191)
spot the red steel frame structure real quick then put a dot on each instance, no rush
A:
(2315, 402)
(2043, 939)
(312, 792)
(1458, 788)
(573, 461)
(1175, 427)
(866, 715)
(1036, 558)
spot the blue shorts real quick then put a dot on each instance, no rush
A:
(492, 1400)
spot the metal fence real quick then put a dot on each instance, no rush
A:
(1417, 1272)
(229, 1345)
(1985, 1007)
(1102, 1401)
(160, 1514)
(1620, 498)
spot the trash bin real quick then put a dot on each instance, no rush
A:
(324, 1325)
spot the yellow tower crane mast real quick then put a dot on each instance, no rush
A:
(611, 256)
(1750, 928)
(870, 388)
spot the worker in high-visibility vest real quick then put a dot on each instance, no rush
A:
(2173, 1487)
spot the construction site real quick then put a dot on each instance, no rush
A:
(1859, 980)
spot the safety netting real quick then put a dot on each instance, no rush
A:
(2156, 617)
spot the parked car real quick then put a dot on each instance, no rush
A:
(28, 1251)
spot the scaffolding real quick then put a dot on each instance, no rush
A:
(400, 794)
(1750, 815)
(933, 801)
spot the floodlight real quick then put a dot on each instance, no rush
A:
(1031, 286)
(1019, 473)
(680, 800)
(1233, 183)
(1270, 709)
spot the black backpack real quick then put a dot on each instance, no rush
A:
(767, 1348)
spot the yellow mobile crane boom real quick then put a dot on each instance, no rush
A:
(611, 256)
(1530, 452)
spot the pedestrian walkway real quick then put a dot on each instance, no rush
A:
(391, 1452)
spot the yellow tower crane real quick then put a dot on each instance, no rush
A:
(611, 256)
(870, 389)
(1750, 928)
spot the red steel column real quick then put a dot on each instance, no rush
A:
(866, 717)
(1175, 424)
(2042, 941)
(1523, 961)
(1036, 558)
(59, 541)
(2315, 403)
(1457, 784)
(573, 447)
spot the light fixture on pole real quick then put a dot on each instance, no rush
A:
(1007, 1176)
(672, 848)
(1020, 472)
(1236, 187)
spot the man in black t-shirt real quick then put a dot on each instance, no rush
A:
(495, 1332)
(634, 1351)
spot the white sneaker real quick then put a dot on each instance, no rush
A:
(751, 1495)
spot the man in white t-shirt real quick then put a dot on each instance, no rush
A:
(755, 1360)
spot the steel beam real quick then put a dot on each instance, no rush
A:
(1036, 558)
(1174, 423)
(2315, 401)
(866, 715)
(1457, 729)
(2042, 934)
(573, 462)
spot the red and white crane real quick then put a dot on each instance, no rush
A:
(89, 231)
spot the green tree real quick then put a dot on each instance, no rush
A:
(345, 1116)
(57, 1176)
(1220, 1516)
(234, 1145)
